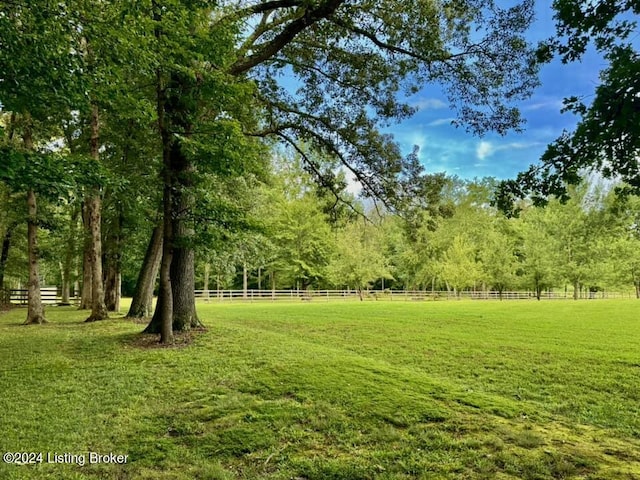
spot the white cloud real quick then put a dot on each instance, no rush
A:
(416, 138)
(429, 104)
(440, 121)
(354, 187)
(554, 104)
(486, 149)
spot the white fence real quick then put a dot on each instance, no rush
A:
(51, 295)
(388, 295)
(48, 295)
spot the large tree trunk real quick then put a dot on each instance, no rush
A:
(87, 270)
(176, 299)
(183, 285)
(182, 265)
(176, 303)
(183, 282)
(65, 288)
(112, 286)
(94, 207)
(35, 310)
(177, 273)
(162, 320)
(141, 304)
(98, 307)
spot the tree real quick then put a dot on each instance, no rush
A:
(358, 259)
(303, 240)
(498, 255)
(459, 266)
(31, 68)
(327, 44)
(102, 79)
(607, 138)
(538, 250)
(624, 242)
(627, 260)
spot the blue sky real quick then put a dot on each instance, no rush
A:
(456, 152)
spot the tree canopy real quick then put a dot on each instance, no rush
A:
(194, 95)
(606, 138)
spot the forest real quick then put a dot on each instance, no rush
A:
(151, 148)
(299, 238)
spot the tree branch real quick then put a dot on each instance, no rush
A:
(401, 50)
(376, 41)
(265, 7)
(319, 71)
(272, 47)
(262, 28)
(311, 164)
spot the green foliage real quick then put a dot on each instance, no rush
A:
(358, 259)
(459, 266)
(45, 173)
(39, 71)
(497, 255)
(606, 138)
(539, 250)
(303, 240)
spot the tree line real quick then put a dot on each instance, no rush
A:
(298, 237)
(462, 242)
(130, 127)
(171, 106)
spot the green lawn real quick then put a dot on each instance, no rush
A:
(385, 390)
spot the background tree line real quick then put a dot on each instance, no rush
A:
(152, 127)
(298, 237)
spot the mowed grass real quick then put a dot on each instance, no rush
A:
(385, 390)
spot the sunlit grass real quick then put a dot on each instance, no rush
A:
(389, 390)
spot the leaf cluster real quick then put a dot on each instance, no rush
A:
(606, 138)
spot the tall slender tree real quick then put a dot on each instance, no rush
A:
(36, 86)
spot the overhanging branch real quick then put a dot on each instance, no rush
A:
(269, 49)
(311, 164)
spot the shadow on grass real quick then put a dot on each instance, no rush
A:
(152, 340)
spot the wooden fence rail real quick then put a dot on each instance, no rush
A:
(51, 295)
(390, 295)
